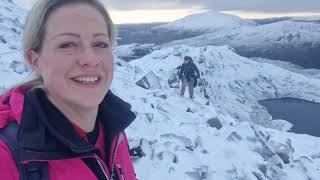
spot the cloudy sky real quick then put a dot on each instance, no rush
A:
(130, 11)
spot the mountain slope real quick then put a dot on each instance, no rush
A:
(178, 135)
(286, 39)
(296, 42)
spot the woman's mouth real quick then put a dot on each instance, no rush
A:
(87, 80)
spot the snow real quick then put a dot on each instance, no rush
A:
(207, 22)
(134, 51)
(11, 18)
(233, 100)
(174, 132)
(278, 34)
(315, 73)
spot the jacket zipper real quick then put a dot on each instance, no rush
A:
(121, 171)
(102, 169)
(115, 154)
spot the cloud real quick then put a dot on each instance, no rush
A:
(271, 6)
(267, 6)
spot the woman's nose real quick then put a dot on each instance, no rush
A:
(88, 57)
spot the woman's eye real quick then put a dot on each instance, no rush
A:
(67, 45)
(101, 45)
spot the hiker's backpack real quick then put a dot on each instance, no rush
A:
(29, 171)
(188, 71)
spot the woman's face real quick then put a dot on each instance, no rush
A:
(76, 61)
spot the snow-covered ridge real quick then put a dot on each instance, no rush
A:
(306, 18)
(296, 42)
(207, 22)
(133, 51)
(176, 135)
(283, 32)
(223, 69)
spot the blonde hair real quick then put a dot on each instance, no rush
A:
(35, 28)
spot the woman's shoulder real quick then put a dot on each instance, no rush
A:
(8, 168)
(11, 106)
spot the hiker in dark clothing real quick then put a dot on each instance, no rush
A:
(188, 75)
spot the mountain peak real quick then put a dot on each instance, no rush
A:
(209, 21)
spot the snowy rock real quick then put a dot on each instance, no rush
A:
(147, 148)
(199, 173)
(150, 116)
(149, 81)
(284, 156)
(281, 125)
(275, 172)
(184, 141)
(173, 80)
(214, 122)
(234, 136)
(19, 67)
(168, 156)
(160, 94)
(134, 51)
(284, 151)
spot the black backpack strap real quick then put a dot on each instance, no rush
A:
(35, 171)
(8, 135)
(30, 171)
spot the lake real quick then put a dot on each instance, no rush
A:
(303, 114)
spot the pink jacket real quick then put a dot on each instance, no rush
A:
(73, 167)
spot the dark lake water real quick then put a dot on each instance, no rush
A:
(304, 115)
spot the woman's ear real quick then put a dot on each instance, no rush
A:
(33, 59)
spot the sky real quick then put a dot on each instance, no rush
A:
(141, 11)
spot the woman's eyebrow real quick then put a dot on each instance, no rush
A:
(77, 35)
(101, 34)
(66, 34)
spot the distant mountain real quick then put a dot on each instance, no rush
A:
(296, 42)
(207, 22)
(306, 19)
(145, 34)
(314, 19)
(191, 26)
(134, 51)
(270, 20)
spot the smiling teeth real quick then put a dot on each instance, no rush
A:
(86, 79)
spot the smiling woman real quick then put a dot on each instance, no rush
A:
(71, 125)
(76, 49)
